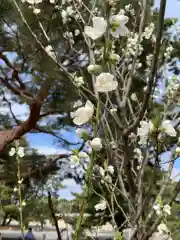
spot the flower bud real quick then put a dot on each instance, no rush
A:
(96, 144)
(114, 57)
(94, 69)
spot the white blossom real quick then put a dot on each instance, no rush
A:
(108, 179)
(167, 209)
(50, 51)
(12, 152)
(96, 144)
(15, 189)
(138, 154)
(128, 7)
(36, 10)
(168, 128)
(23, 203)
(110, 169)
(101, 171)
(114, 57)
(83, 114)
(148, 31)
(98, 29)
(105, 83)
(149, 59)
(20, 181)
(20, 152)
(76, 32)
(64, 16)
(70, 10)
(79, 81)
(34, 1)
(143, 131)
(113, 110)
(157, 209)
(134, 97)
(78, 103)
(101, 206)
(162, 228)
(52, 1)
(93, 68)
(113, 145)
(118, 27)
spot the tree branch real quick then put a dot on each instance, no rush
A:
(153, 69)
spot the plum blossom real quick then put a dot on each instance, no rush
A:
(23, 203)
(105, 83)
(98, 29)
(83, 114)
(33, 1)
(167, 209)
(78, 103)
(110, 169)
(114, 57)
(94, 69)
(36, 11)
(12, 152)
(96, 144)
(118, 25)
(50, 51)
(101, 206)
(101, 171)
(79, 81)
(168, 128)
(144, 130)
(162, 228)
(157, 209)
(20, 152)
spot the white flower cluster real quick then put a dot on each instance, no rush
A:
(106, 174)
(100, 26)
(69, 36)
(20, 152)
(68, 13)
(149, 60)
(166, 209)
(105, 82)
(132, 45)
(75, 159)
(101, 206)
(148, 31)
(79, 81)
(147, 127)
(129, 9)
(50, 51)
(172, 90)
(138, 155)
(162, 228)
(168, 52)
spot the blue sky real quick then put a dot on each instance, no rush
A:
(46, 143)
(172, 9)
